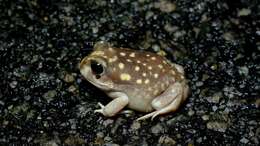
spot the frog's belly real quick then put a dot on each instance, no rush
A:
(140, 104)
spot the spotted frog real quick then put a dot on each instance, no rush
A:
(142, 81)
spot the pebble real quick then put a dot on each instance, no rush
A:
(243, 70)
(165, 6)
(69, 78)
(205, 117)
(244, 12)
(244, 140)
(135, 126)
(13, 84)
(215, 98)
(49, 95)
(158, 128)
(166, 141)
(72, 89)
(217, 126)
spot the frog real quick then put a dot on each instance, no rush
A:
(140, 80)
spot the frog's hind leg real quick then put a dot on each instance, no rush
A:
(168, 101)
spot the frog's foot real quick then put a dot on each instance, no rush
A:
(101, 110)
(114, 106)
(147, 116)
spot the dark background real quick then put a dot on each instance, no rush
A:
(45, 100)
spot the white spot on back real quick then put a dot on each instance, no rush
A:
(129, 60)
(113, 59)
(160, 66)
(125, 77)
(121, 65)
(139, 81)
(153, 58)
(146, 81)
(132, 55)
(156, 75)
(122, 54)
(137, 68)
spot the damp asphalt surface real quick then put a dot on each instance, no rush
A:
(45, 101)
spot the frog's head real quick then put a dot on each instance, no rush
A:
(95, 68)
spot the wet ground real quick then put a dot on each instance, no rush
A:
(45, 100)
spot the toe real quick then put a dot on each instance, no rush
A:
(99, 111)
(146, 116)
(101, 105)
(156, 114)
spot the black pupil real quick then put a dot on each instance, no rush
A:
(96, 67)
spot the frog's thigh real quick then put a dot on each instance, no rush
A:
(168, 101)
(167, 96)
(116, 105)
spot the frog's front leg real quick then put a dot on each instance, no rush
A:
(120, 100)
(168, 101)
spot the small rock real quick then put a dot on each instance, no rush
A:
(214, 108)
(244, 140)
(135, 126)
(69, 78)
(243, 70)
(205, 77)
(244, 12)
(205, 117)
(228, 36)
(108, 122)
(107, 139)
(166, 141)
(215, 97)
(49, 95)
(13, 84)
(199, 140)
(217, 126)
(156, 47)
(191, 112)
(72, 89)
(74, 140)
(99, 139)
(95, 29)
(157, 129)
(169, 28)
(51, 143)
(199, 84)
(165, 6)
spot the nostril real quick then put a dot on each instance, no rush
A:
(98, 76)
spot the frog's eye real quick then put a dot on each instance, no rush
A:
(97, 68)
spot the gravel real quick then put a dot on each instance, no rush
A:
(45, 101)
